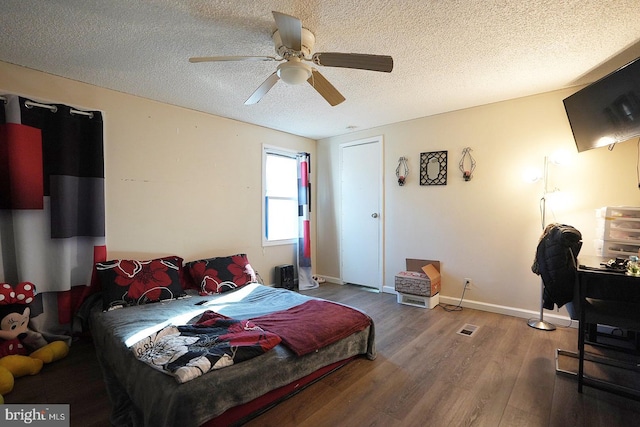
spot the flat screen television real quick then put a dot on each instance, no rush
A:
(608, 110)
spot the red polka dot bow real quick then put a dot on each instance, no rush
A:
(22, 293)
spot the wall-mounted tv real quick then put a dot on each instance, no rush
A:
(607, 111)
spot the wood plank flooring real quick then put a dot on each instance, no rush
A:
(428, 375)
(425, 374)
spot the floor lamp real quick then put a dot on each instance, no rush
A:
(540, 323)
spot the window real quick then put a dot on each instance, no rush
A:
(280, 202)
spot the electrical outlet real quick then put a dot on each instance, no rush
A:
(467, 283)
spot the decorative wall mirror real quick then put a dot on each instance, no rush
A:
(433, 168)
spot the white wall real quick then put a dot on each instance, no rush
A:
(486, 229)
(177, 181)
(187, 183)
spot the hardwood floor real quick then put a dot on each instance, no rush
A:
(425, 374)
(75, 380)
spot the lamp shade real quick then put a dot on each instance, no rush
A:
(531, 175)
(294, 72)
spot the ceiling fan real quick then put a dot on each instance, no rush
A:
(294, 44)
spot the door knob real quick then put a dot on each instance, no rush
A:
(374, 215)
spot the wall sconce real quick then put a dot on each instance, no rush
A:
(467, 172)
(402, 170)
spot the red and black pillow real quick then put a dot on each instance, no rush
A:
(220, 274)
(132, 282)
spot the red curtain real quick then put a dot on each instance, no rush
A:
(52, 209)
(305, 278)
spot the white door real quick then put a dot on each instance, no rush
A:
(361, 216)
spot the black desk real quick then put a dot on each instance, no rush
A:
(598, 282)
(614, 290)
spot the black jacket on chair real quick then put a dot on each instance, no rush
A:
(555, 262)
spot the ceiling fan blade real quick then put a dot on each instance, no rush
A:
(324, 88)
(290, 29)
(354, 60)
(262, 89)
(231, 58)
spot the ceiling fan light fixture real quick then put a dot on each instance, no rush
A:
(293, 44)
(294, 72)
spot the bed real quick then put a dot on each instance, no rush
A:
(142, 395)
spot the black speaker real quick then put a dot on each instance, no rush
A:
(284, 277)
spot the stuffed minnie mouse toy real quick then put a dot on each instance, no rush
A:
(14, 320)
(22, 351)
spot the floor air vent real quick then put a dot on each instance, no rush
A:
(468, 330)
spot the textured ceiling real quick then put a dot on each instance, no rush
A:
(448, 55)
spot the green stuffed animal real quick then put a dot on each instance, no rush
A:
(22, 351)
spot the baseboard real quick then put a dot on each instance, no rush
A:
(556, 319)
(331, 279)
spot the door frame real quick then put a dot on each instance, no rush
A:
(381, 214)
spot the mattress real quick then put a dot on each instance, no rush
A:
(141, 395)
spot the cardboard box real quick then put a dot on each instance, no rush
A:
(421, 278)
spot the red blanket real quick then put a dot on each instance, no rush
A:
(313, 324)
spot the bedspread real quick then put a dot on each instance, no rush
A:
(141, 395)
